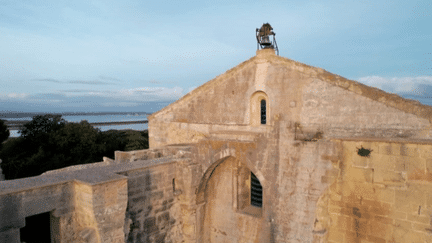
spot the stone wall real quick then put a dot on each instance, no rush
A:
(295, 154)
(151, 215)
(130, 199)
(172, 151)
(342, 113)
(226, 94)
(100, 211)
(79, 212)
(161, 196)
(305, 171)
(215, 160)
(315, 100)
(223, 222)
(185, 133)
(313, 191)
(296, 171)
(15, 206)
(383, 197)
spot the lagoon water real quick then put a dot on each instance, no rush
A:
(98, 118)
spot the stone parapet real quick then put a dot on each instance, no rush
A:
(171, 151)
(127, 200)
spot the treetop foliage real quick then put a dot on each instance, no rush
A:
(41, 125)
(4, 132)
(48, 142)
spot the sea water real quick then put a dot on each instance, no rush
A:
(98, 118)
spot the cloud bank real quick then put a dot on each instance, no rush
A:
(147, 98)
(135, 99)
(419, 88)
(412, 85)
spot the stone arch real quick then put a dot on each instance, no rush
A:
(219, 191)
(200, 198)
(218, 158)
(236, 155)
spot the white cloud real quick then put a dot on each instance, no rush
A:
(88, 98)
(17, 95)
(148, 93)
(121, 104)
(411, 85)
(141, 94)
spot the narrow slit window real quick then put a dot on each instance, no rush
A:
(256, 191)
(173, 184)
(263, 112)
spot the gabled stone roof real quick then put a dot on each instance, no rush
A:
(389, 99)
(202, 88)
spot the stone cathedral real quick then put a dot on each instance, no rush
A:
(272, 150)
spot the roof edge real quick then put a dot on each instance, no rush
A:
(201, 87)
(390, 99)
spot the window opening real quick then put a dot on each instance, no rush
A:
(37, 228)
(256, 191)
(263, 112)
(173, 184)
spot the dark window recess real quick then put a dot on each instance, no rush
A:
(174, 189)
(256, 191)
(263, 112)
(37, 229)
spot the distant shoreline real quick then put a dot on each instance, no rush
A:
(11, 138)
(16, 125)
(31, 114)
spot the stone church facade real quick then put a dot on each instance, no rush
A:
(270, 151)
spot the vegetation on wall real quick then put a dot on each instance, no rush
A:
(49, 142)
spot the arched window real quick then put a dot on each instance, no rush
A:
(256, 192)
(263, 112)
(259, 109)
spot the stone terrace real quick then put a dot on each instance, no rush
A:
(89, 203)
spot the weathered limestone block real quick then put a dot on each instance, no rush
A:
(390, 207)
(88, 235)
(102, 208)
(152, 214)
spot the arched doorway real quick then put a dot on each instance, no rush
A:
(228, 215)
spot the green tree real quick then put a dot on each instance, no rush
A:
(4, 133)
(137, 140)
(13, 156)
(48, 142)
(110, 141)
(74, 143)
(39, 128)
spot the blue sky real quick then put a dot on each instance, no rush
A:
(141, 55)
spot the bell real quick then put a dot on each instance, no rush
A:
(265, 41)
(263, 38)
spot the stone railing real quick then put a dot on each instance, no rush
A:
(88, 203)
